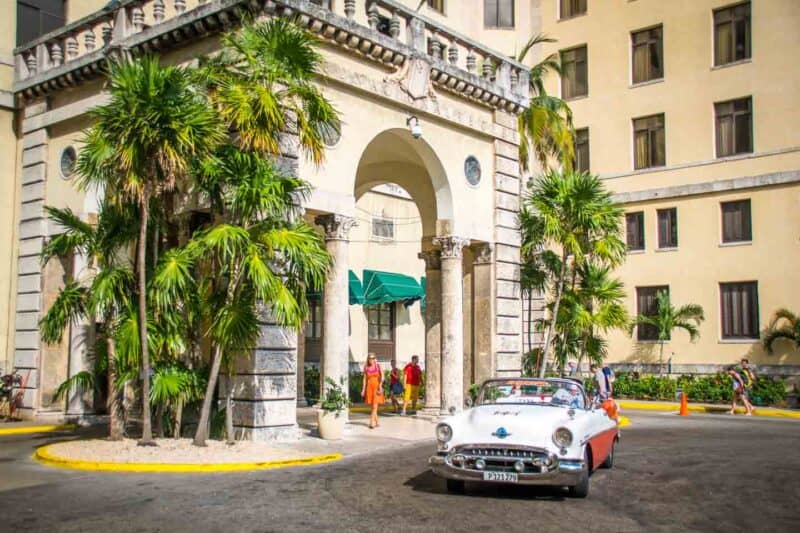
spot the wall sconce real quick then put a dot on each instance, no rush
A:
(414, 127)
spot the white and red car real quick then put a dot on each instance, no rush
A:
(527, 431)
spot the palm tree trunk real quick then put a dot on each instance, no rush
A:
(159, 424)
(178, 419)
(205, 413)
(661, 358)
(229, 413)
(147, 431)
(116, 425)
(552, 327)
(530, 320)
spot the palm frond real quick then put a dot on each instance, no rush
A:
(68, 307)
(81, 382)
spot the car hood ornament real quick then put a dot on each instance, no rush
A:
(501, 433)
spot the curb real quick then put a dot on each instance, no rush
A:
(37, 429)
(623, 422)
(665, 407)
(45, 456)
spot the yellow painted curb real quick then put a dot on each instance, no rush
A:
(646, 406)
(623, 421)
(36, 429)
(46, 457)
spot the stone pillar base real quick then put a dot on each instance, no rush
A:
(268, 434)
(429, 412)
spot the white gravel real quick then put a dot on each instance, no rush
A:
(174, 451)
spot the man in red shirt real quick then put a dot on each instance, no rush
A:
(413, 378)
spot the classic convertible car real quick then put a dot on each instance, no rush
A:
(527, 431)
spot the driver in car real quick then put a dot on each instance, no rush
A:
(569, 396)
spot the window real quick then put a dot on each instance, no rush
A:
(582, 150)
(314, 324)
(648, 55)
(382, 228)
(571, 8)
(736, 222)
(734, 125)
(498, 13)
(649, 142)
(668, 228)
(732, 34)
(436, 5)
(574, 73)
(37, 17)
(739, 310)
(634, 230)
(380, 321)
(647, 305)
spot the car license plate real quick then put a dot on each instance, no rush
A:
(504, 477)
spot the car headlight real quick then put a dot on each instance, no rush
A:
(562, 437)
(444, 433)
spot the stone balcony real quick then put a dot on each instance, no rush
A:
(383, 31)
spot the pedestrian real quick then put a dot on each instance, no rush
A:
(610, 378)
(738, 392)
(395, 386)
(372, 388)
(602, 386)
(413, 380)
(748, 375)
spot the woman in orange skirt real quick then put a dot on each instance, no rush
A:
(372, 388)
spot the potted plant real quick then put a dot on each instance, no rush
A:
(332, 414)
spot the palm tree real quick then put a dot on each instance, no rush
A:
(668, 318)
(784, 325)
(140, 146)
(261, 255)
(578, 217)
(545, 126)
(101, 295)
(263, 87)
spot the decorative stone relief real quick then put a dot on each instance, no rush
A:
(337, 227)
(452, 246)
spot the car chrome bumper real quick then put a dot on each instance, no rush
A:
(566, 473)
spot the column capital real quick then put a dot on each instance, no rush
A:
(432, 258)
(337, 227)
(483, 253)
(452, 246)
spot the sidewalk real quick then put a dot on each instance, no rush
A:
(647, 405)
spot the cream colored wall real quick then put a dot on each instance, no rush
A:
(398, 256)
(686, 96)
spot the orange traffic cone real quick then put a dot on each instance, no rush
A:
(684, 405)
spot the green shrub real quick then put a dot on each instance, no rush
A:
(710, 389)
(311, 382)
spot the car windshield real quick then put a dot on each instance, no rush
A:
(548, 392)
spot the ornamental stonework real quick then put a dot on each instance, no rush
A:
(452, 247)
(336, 227)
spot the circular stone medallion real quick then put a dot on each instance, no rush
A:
(69, 159)
(472, 170)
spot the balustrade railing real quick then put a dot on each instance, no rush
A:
(452, 53)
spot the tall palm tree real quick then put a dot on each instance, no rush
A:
(140, 146)
(545, 127)
(580, 219)
(101, 293)
(263, 85)
(668, 318)
(784, 325)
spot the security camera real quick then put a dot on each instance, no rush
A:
(413, 125)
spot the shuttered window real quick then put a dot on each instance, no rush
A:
(649, 142)
(647, 304)
(634, 230)
(668, 228)
(732, 34)
(571, 8)
(736, 221)
(574, 73)
(498, 13)
(648, 55)
(582, 150)
(739, 310)
(734, 127)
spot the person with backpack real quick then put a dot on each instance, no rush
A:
(738, 391)
(748, 376)
(396, 388)
(603, 382)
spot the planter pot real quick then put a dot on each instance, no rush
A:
(331, 424)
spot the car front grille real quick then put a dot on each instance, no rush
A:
(502, 458)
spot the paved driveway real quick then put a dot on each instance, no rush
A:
(702, 473)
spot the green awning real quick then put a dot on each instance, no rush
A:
(382, 287)
(356, 290)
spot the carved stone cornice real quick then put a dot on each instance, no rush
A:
(337, 227)
(452, 247)
(432, 258)
(483, 253)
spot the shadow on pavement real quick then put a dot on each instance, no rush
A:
(429, 483)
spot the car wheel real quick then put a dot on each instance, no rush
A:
(609, 462)
(455, 486)
(581, 488)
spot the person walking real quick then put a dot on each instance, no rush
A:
(395, 386)
(738, 392)
(413, 380)
(748, 375)
(372, 388)
(602, 385)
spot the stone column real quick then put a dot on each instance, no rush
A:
(433, 331)
(483, 313)
(336, 302)
(452, 323)
(301, 369)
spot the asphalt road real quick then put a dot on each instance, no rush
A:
(702, 473)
